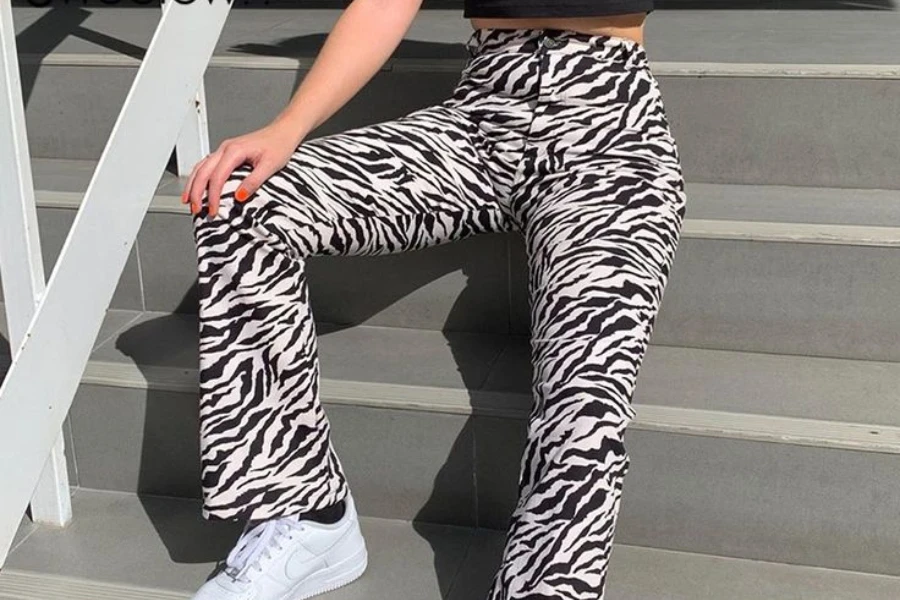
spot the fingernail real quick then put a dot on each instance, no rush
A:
(241, 194)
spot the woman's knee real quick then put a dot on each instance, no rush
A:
(232, 216)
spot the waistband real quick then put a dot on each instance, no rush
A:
(620, 50)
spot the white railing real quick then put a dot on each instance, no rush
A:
(20, 257)
(53, 327)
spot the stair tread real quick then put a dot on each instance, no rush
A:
(113, 322)
(790, 386)
(170, 547)
(60, 181)
(793, 204)
(731, 36)
(73, 176)
(692, 378)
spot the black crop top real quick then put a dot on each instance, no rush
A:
(553, 8)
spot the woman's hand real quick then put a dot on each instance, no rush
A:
(363, 38)
(267, 150)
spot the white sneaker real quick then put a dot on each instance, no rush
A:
(289, 559)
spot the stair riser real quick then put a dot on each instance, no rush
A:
(786, 298)
(53, 227)
(777, 297)
(776, 502)
(760, 130)
(765, 501)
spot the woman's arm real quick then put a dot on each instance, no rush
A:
(361, 42)
(364, 37)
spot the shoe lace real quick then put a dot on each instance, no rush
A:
(258, 543)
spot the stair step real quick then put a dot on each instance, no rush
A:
(723, 442)
(708, 392)
(798, 104)
(455, 60)
(766, 269)
(725, 211)
(171, 551)
(677, 419)
(760, 35)
(26, 585)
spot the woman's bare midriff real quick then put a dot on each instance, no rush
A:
(629, 26)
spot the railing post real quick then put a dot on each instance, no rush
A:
(20, 255)
(47, 366)
(193, 142)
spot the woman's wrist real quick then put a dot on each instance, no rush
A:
(295, 127)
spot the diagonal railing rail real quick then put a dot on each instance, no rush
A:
(48, 362)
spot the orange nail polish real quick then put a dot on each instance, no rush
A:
(241, 194)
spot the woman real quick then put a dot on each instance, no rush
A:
(556, 131)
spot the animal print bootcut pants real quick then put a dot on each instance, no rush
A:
(556, 135)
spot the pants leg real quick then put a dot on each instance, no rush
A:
(396, 186)
(595, 293)
(602, 204)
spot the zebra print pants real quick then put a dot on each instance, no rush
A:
(555, 135)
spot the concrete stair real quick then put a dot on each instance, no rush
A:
(163, 560)
(788, 85)
(764, 453)
(170, 551)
